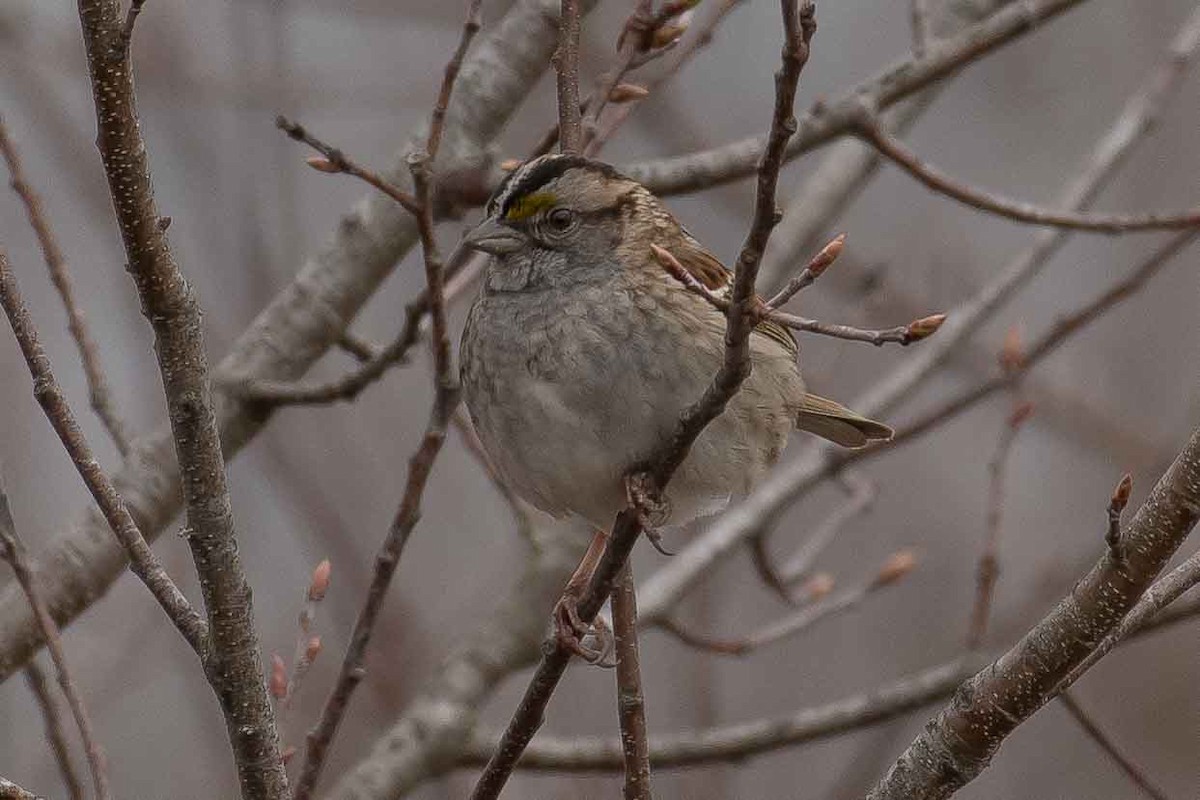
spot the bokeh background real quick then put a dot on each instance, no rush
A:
(323, 482)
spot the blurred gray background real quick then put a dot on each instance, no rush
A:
(323, 482)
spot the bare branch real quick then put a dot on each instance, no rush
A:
(131, 17)
(836, 117)
(873, 132)
(921, 13)
(233, 664)
(13, 551)
(904, 335)
(960, 741)
(10, 791)
(987, 568)
(1059, 333)
(862, 495)
(1135, 773)
(1152, 606)
(815, 268)
(98, 391)
(296, 327)
(898, 566)
(739, 740)
(446, 396)
(799, 26)
(50, 396)
(789, 483)
(335, 161)
(566, 65)
(55, 734)
(631, 706)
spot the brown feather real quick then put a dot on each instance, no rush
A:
(708, 269)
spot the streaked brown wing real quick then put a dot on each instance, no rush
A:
(708, 269)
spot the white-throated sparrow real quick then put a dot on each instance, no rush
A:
(582, 351)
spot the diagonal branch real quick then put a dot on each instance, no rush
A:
(55, 735)
(836, 117)
(446, 395)
(233, 663)
(789, 483)
(1135, 773)
(958, 743)
(871, 130)
(50, 396)
(98, 392)
(799, 26)
(293, 331)
(12, 550)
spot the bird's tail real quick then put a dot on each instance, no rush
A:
(838, 424)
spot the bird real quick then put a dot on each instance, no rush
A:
(581, 351)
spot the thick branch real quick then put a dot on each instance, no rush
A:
(960, 741)
(233, 664)
(296, 328)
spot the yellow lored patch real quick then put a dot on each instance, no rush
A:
(525, 207)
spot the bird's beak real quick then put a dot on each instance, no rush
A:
(493, 237)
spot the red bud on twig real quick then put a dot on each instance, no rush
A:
(279, 678)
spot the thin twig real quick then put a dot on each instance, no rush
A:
(815, 268)
(904, 335)
(1135, 773)
(566, 65)
(13, 551)
(987, 568)
(684, 53)
(335, 161)
(98, 391)
(799, 27)
(631, 705)
(1058, 334)
(921, 14)
(420, 465)
(896, 568)
(376, 362)
(54, 729)
(131, 17)
(874, 133)
(50, 396)
(862, 495)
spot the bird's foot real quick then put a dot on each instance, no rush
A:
(570, 632)
(652, 508)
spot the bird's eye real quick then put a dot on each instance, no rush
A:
(560, 220)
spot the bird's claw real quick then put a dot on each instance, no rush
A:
(652, 509)
(570, 631)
